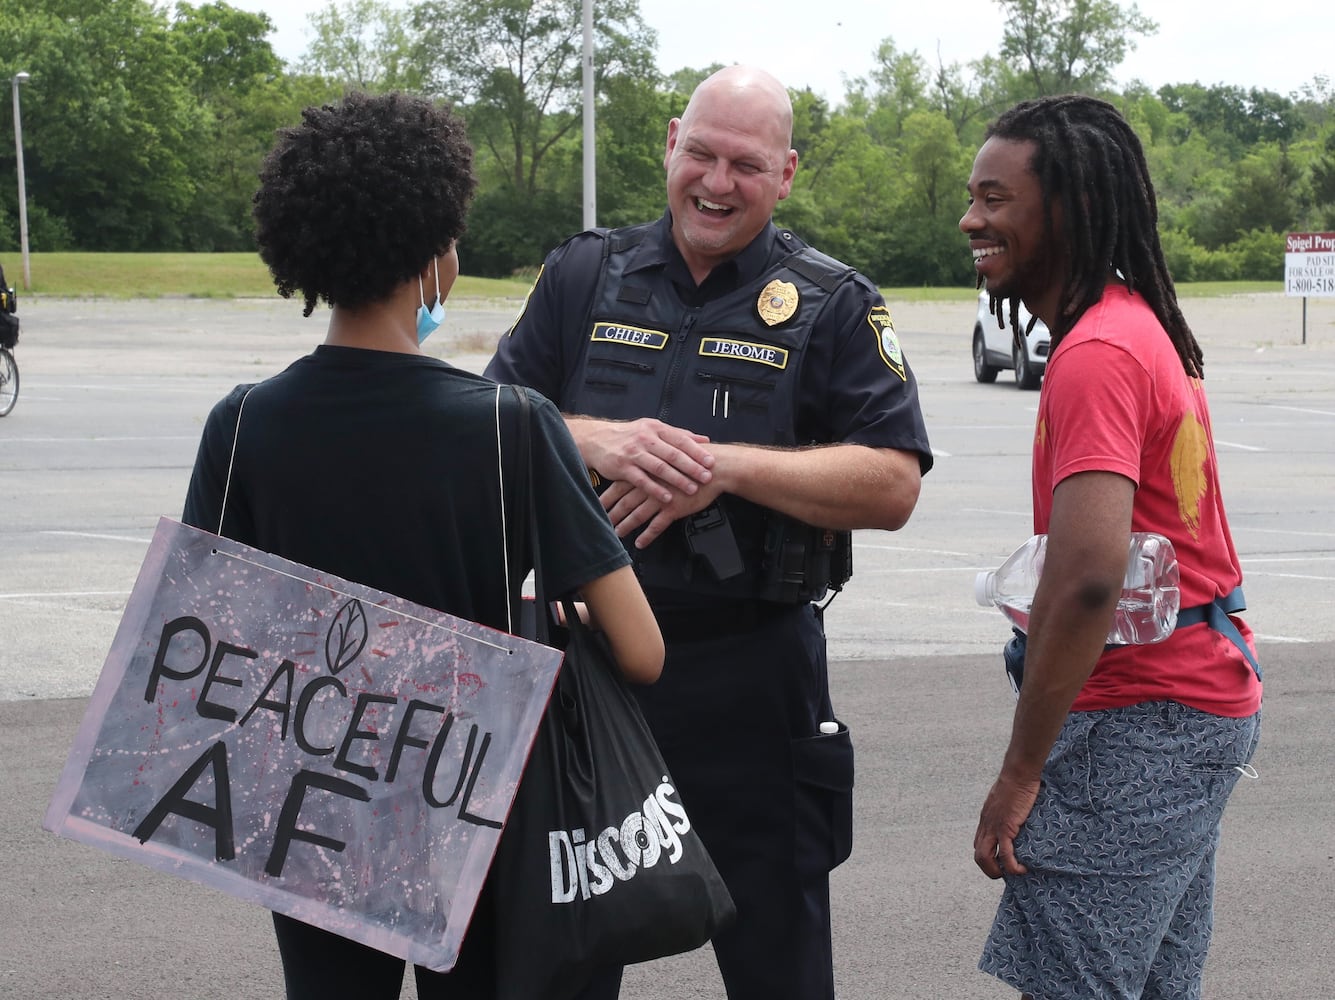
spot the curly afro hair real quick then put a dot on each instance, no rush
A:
(360, 196)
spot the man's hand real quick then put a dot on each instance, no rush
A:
(648, 455)
(1007, 807)
(629, 507)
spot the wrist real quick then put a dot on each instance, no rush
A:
(1021, 767)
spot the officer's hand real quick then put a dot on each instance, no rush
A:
(1007, 806)
(630, 507)
(661, 460)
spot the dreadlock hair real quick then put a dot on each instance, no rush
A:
(1089, 155)
(360, 196)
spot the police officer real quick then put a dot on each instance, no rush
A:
(742, 402)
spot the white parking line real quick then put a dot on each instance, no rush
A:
(108, 538)
(919, 551)
(989, 510)
(156, 386)
(1300, 409)
(1285, 531)
(98, 439)
(41, 595)
(1252, 560)
(1293, 576)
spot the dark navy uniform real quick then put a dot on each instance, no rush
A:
(781, 345)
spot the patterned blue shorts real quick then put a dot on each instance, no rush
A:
(1118, 903)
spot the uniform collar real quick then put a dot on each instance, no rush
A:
(658, 251)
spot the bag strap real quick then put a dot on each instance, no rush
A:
(526, 525)
(1216, 615)
(231, 461)
(542, 631)
(513, 536)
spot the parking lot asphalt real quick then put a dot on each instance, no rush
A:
(101, 442)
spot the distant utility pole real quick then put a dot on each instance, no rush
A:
(590, 180)
(19, 80)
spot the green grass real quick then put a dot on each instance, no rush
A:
(1215, 289)
(171, 275)
(243, 275)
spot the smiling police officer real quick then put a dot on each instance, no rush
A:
(743, 402)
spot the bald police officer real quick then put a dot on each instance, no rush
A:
(743, 402)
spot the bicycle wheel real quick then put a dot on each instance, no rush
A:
(9, 381)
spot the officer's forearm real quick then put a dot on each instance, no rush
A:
(649, 454)
(840, 486)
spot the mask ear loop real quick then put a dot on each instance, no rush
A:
(231, 462)
(421, 288)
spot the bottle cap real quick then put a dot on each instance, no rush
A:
(829, 728)
(981, 585)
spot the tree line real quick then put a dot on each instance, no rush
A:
(144, 127)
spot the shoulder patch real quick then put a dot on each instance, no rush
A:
(524, 307)
(886, 341)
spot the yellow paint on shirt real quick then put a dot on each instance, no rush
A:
(1188, 467)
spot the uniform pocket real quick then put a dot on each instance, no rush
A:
(823, 777)
(616, 374)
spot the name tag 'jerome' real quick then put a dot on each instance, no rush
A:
(763, 354)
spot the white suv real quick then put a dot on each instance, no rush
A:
(995, 348)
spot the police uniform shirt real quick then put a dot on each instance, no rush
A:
(854, 385)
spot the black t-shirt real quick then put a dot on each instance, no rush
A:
(382, 468)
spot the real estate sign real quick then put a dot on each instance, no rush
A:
(1309, 265)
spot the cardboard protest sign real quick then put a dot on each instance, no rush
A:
(302, 742)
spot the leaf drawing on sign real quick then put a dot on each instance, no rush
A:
(346, 637)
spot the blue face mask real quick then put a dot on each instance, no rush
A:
(429, 320)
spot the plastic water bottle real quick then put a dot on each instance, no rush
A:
(1146, 612)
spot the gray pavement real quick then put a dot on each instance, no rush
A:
(101, 443)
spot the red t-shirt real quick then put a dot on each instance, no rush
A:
(1115, 399)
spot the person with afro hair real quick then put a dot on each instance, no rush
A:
(371, 460)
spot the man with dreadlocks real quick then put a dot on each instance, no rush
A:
(1104, 820)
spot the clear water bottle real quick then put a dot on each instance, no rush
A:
(1146, 612)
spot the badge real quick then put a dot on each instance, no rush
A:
(777, 302)
(886, 341)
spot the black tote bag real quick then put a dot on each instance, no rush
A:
(598, 864)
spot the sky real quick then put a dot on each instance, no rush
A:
(1280, 48)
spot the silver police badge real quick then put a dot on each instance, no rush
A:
(777, 302)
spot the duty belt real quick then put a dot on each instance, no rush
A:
(713, 621)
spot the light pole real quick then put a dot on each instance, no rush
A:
(590, 174)
(21, 78)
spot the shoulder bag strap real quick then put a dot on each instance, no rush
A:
(231, 462)
(526, 523)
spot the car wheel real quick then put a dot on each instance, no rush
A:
(982, 371)
(1025, 376)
